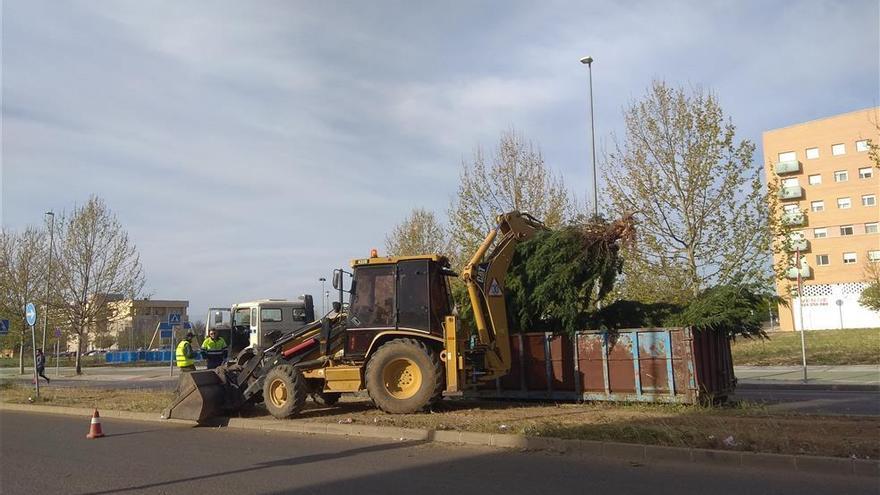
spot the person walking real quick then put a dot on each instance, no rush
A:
(215, 347)
(41, 365)
(186, 358)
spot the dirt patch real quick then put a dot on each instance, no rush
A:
(739, 427)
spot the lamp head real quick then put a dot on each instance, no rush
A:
(587, 60)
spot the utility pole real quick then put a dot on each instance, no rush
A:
(323, 281)
(588, 61)
(48, 277)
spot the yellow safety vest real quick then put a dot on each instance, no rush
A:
(182, 360)
(210, 344)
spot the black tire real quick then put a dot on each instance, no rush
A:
(404, 376)
(328, 399)
(284, 391)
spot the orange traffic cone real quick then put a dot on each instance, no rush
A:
(95, 428)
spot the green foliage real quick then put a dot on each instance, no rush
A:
(870, 297)
(623, 314)
(556, 277)
(734, 310)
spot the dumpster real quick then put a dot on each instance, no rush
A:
(679, 365)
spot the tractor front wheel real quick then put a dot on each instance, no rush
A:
(404, 376)
(284, 391)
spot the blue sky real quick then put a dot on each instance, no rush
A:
(251, 147)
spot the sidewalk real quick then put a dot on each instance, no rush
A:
(856, 377)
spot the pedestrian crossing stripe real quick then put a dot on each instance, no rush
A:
(495, 288)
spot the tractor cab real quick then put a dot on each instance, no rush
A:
(406, 294)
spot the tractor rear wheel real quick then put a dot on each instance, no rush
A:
(284, 391)
(404, 376)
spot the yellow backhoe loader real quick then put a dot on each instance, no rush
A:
(398, 339)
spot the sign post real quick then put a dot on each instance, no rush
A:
(800, 291)
(30, 314)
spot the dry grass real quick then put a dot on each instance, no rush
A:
(750, 427)
(117, 400)
(827, 347)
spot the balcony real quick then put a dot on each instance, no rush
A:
(805, 271)
(798, 243)
(791, 192)
(789, 167)
(794, 218)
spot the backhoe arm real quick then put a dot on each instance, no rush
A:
(484, 276)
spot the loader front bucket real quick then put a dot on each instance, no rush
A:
(200, 396)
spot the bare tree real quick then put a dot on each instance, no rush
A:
(515, 177)
(22, 275)
(697, 193)
(419, 233)
(97, 262)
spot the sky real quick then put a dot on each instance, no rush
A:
(251, 147)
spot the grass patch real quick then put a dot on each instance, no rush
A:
(136, 400)
(825, 347)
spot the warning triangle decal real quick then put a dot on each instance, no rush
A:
(495, 288)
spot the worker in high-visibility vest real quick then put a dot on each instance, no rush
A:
(186, 358)
(215, 347)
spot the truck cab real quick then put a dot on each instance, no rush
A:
(259, 323)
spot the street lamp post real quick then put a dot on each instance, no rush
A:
(323, 308)
(48, 276)
(588, 61)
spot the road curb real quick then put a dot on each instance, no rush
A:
(615, 450)
(839, 387)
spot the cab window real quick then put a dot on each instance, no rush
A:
(242, 317)
(372, 304)
(270, 315)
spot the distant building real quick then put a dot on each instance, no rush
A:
(132, 323)
(825, 170)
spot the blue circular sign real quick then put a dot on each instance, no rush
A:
(30, 312)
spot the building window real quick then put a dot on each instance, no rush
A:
(817, 206)
(838, 149)
(841, 176)
(869, 200)
(874, 256)
(846, 230)
(866, 173)
(815, 180)
(788, 156)
(790, 182)
(871, 228)
(849, 258)
(820, 233)
(822, 260)
(862, 145)
(843, 203)
(812, 153)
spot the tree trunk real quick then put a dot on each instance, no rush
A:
(78, 353)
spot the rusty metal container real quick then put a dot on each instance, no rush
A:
(634, 365)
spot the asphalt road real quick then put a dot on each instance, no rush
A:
(49, 454)
(813, 401)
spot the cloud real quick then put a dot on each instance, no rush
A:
(251, 149)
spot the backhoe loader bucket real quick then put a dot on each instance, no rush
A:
(200, 396)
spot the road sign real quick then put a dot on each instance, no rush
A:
(4, 327)
(30, 312)
(165, 334)
(187, 325)
(57, 333)
(173, 317)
